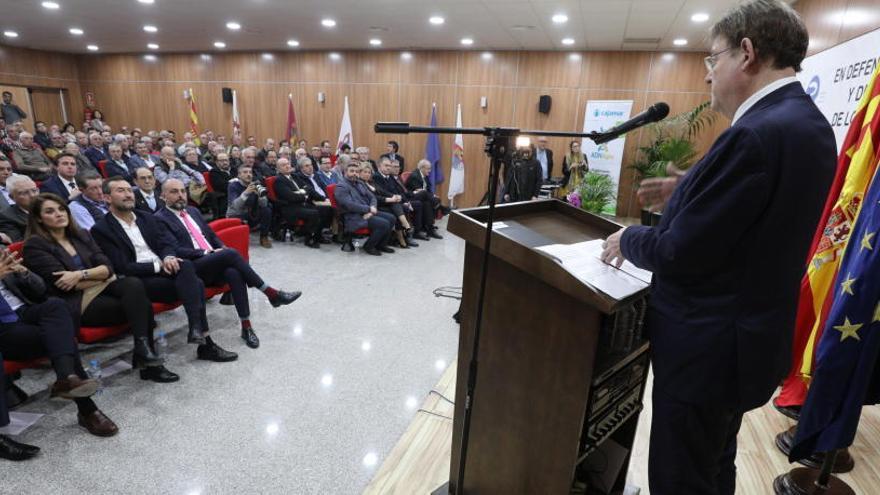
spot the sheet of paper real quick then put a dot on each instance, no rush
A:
(20, 421)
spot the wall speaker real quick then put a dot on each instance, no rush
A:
(544, 103)
(227, 95)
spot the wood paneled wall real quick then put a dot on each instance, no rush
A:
(40, 69)
(383, 86)
(831, 22)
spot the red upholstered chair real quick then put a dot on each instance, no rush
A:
(273, 197)
(102, 167)
(404, 176)
(347, 245)
(207, 176)
(224, 223)
(237, 238)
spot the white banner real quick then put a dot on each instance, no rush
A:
(606, 158)
(836, 79)
(456, 174)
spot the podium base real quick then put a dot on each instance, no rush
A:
(802, 481)
(442, 490)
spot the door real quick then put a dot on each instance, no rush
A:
(47, 105)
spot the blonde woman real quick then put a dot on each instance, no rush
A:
(574, 167)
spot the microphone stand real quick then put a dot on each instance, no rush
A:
(498, 147)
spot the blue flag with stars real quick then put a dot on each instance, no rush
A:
(432, 154)
(847, 374)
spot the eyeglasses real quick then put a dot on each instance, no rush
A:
(712, 59)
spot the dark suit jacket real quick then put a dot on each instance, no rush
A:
(140, 204)
(183, 246)
(28, 287)
(549, 161)
(55, 186)
(220, 180)
(286, 191)
(44, 258)
(114, 168)
(415, 181)
(13, 222)
(354, 201)
(118, 247)
(95, 155)
(729, 254)
(398, 157)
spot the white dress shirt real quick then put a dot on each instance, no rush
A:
(149, 198)
(70, 184)
(11, 299)
(142, 251)
(758, 95)
(192, 239)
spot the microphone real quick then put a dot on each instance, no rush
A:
(654, 113)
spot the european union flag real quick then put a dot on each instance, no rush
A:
(847, 374)
(432, 154)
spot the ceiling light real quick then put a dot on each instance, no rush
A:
(567, 41)
(152, 46)
(219, 44)
(150, 29)
(328, 23)
(406, 56)
(335, 56)
(487, 56)
(233, 25)
(147, 1)
(467, 41)
(376, 42)
(679, 42)
(292, 43)
(76, 31)
(10, 34)
(150, 57)
(574, 57)
(51, 5)
(700, 17)
(436, 20)
(268, 56)
(560, 19)
(92, 48)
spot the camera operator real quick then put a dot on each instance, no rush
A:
(522, 180)
(248, 201)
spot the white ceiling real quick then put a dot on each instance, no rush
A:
(116, 26)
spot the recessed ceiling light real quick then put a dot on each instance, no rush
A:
(10, 34)
(268, 56)
(376, 42)
(233, 25)
(436, 20)
(152, 46)
(406, 56)
(328, 23)
(76, 31)
(146, 1)
(219, 44)
(51, 5)
(567, 41)
(574, 57)
(467, 41)
(292, 43)
(700, 17)
(679, 42)
(560, 19)
(487, 55)
(150, 57)
(150, 29)
(335, 56)
(92, 48)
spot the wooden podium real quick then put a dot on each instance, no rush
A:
(552, 387)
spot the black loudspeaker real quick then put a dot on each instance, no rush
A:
(544, 103)
(227, 95)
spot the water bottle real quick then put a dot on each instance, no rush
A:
(356, 243)
(94, 372)
(162, 345)
(288, 235)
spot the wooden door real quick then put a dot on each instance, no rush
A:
(20, 98)
(47, 105)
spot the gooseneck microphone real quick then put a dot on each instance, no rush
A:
(654, 113)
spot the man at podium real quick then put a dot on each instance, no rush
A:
(728, 254)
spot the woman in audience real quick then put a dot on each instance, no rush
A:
(191, 160)
(235, 157)
(574, 167)
(97, 122)
(170, 167)
(69, 132)
(76, 270)
(389, 203)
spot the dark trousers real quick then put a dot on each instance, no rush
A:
(430, 205)
(184, 286)
(258, 215)
(693, 447)
(380, 226)
(228, 267)
(316, 218)
(419, 221)
(124, 300)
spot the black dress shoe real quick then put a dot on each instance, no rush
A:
(372, 251)
(195, 336)
(421, 236)
(324, 240)
(250, 338)
(213, 352)
(143, 356)
(159, 374)
(313, 243)
(385, 249)
(282, 298)
(226, 299)
(15, 451)
(411, 243)
(434, 235)
(793, 412)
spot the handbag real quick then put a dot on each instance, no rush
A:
(197, 192)
(92, 292)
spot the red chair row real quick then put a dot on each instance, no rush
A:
(346, 237)
(273, 197)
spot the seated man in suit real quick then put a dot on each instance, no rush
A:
(146, 198)
(118, 163)
(267, 167)
(30, 159)
(5, 174)
(423, 218)
(88, 207)
(95, 152)
(13, 218)
(325, 173)
(393, 201)
(64, 182)
(139, 246)
(83, 164)
(142, 157)
(248, 201)
(9, 448)
(215, 264)
(299, 200)
(56, 147)
(419, 184)
(391, 152)
(358, 208)
(220, 176)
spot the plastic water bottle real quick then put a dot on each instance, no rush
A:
(288, 235)
(94, 372)
(162, 345)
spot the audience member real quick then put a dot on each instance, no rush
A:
(298, 199)
(13, 218)
(41, 136)
(388, 203)
(88, 207)
(574, 166)
(97, 121)
(5, 174)
(69, 132)
(523, 180)
(30, 159)
(11, 112)
(146, 198)
(248, 201)
(83, 164)
(77, 271)
(392, 150)
(419, 184)
(192, 160)
(266, 168)
(358, 208)
(423, 216)
(142, 157)
(64, 182)
(544, 155)
(235, 159)
(171, 168)
(325, 173)
(316, 156)
(118, 164)
(95, 152)
(264, 151)
(9, 448)
(56, 146)
(220, 176)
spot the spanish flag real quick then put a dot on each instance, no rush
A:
(194, 118)
(856, 167)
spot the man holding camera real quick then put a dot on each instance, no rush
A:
(248, 201)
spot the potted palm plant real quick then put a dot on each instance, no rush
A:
(594, 194)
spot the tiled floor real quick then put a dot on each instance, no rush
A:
(315, 410)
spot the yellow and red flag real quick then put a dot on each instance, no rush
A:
(292, 131)
(856, 167)
(194, 118)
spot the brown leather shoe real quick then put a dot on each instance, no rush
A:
(74, 387)
(98, 424)
(266, 242)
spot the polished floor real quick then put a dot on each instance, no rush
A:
(316, 409)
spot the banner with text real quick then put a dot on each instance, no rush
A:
(836, 79)
(607, 158)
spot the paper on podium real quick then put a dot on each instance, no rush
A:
(584, 261)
